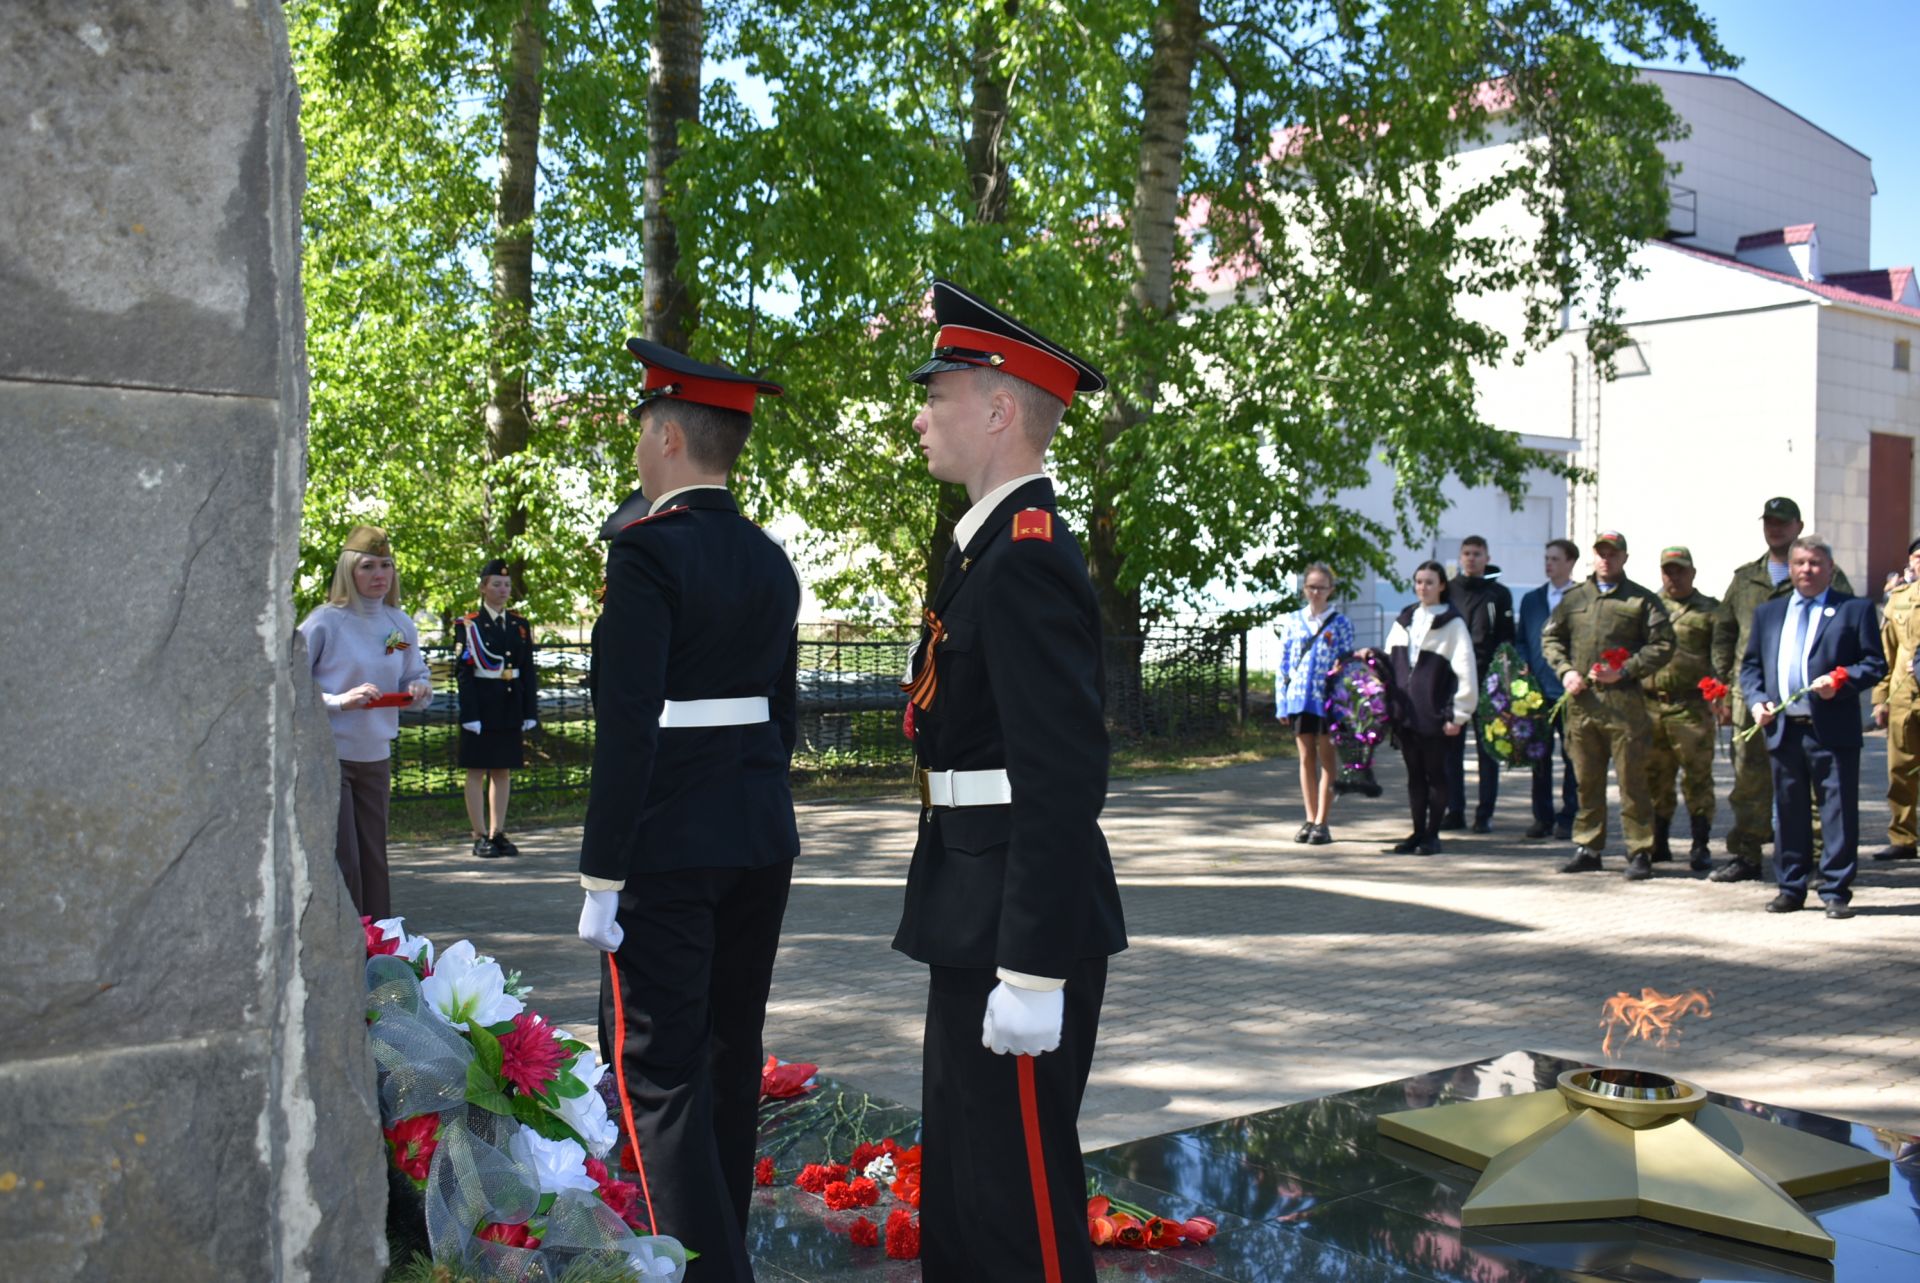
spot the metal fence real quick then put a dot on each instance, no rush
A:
(1173, 682)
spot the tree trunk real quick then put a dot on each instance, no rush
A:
(509, 420)
(988, 184)
(1167, 102)
(673, 98)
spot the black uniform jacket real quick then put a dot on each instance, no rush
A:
(700, 604)
(498, 704)
(1027, 886)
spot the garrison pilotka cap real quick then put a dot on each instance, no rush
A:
(1676, 556)
(492, 568)
(976, 335)
(369, 540)
(1781, 509)
(681, 378)
(1611, 538)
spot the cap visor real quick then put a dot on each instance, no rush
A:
(934, 367)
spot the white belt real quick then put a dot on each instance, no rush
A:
(964, 788)
(744, 710)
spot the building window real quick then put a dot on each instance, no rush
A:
(1903, 354)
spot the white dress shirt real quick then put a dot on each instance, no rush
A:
(968, 526)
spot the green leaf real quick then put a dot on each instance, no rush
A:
(486, 1050)
(484, 1092)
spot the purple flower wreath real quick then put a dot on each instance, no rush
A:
(1356, 709)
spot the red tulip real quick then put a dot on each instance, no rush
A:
(1199, 1229)
(1100, 1229)
(1099, 1205)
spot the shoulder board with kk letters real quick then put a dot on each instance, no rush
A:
(1033, 523)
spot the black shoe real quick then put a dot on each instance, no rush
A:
(1839, 909)
(1563, 832)
(1483, 826)
(1895, 853)
(1429, 847)
(503, 847)
(485, 850)
(1699, 860)
(1736, 870)
(1453, 823)
(1639, 866)
(1538, 831)
(1306, 831)
(1585, 860)
(1405, 846)
(1319, 835)
(1783, 903)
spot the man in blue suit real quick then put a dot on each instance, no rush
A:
(1535, 609)
(1810, 713)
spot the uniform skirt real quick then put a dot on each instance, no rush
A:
(490, 750)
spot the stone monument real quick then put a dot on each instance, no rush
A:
(185, 1089)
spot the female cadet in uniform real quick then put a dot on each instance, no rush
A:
(494, 673)
(363, 646)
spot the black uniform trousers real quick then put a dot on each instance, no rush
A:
(1807, 774)
(979, 1216)
(681, 1009)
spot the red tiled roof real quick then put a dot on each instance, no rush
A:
(1881, 282)
(1825, 289)
(1798, 234)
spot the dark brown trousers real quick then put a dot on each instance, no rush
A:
(361, 845)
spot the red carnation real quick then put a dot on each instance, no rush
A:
(903, 1236)
(1712, 689)
(511, 1235)
(843, 1196)
(597, 1171)
(864, 1233)
(815, 1177)
(413, 1141)
(862, 1155)
(1616, 657)
(530, 1056)
(1839, 676)
(763, 1172)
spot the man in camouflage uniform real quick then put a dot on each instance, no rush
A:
(1684, 726)
(1896, 709)
(1753, 583)
(1608, 716)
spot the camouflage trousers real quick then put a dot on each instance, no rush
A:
(1611, 725)
(1684, 737)
(1903, 771)
(1752, 797)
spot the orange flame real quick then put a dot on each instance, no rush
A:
(1652, 1017)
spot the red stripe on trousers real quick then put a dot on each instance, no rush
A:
(620, 1077)
(1037, 1168)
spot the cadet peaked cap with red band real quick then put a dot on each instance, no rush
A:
(976, 335)
(681, 378)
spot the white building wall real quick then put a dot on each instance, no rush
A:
(1757, 166)
(1860, 393)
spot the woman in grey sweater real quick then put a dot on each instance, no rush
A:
(363, 646)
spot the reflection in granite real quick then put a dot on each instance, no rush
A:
(1311, 1192)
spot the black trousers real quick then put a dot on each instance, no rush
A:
(1457, 776)
(681, 1009)
(1426, 757)
(1543, 808)
(1807, 774)
(980, 1203)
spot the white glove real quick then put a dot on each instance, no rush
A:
(470, 726)
(598, 925)
(1022, 1022)
(528, 725)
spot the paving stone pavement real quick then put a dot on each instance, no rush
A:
(1263, 972)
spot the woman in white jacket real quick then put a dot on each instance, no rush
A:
(1435, 692)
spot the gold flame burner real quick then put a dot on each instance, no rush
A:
(1625, 1142)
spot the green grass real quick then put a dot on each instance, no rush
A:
(827, 778)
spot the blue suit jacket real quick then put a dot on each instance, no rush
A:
(1846, 632)
(1532, 618)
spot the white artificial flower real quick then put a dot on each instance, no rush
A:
(880, 1170)
(466, 987)
(587, 1114)
(411, 947)
(557, 1164)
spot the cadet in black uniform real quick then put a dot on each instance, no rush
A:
(690, 838)
(498, 688)
(1011, 898)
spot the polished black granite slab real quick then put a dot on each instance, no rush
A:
(1312, 1192)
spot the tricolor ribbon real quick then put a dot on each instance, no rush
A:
(483, 659)
(923, 684)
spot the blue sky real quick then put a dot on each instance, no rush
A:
(1844, 65)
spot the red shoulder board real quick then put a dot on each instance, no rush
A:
(655, 516)
(1033, 523)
